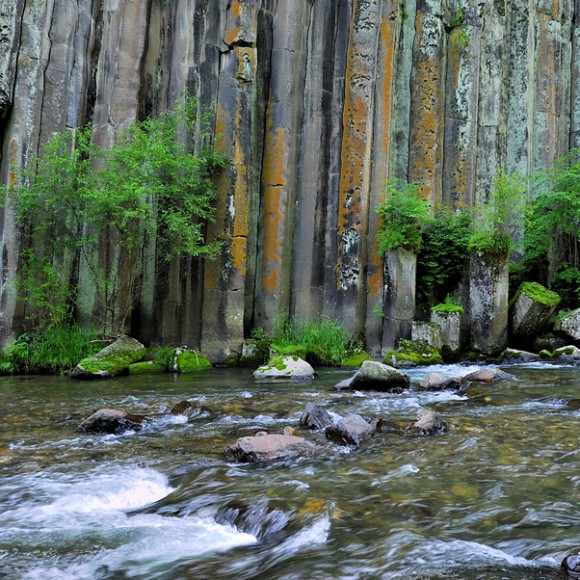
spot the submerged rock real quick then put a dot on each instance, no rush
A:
(426, 424)
(187, 409)
(377, 376)
(439, 382)
(315, 417)
(265, 446)
(112, 360)
(486, 376)
(111, 421)
(571, 566)
(350, 430)
(261, 521)
(285, 367)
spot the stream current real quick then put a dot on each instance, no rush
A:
(496, 497)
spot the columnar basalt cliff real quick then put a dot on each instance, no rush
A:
(318, 102)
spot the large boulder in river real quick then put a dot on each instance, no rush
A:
(351, 429)
(263, 446)
(569, 325)
(529, 311)
(111, 421)
(285, 367)
(112, 360)
(377, 376)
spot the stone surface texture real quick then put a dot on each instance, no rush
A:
(317, 103)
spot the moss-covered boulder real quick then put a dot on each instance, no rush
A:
(529, 311)
(285, 367)
(189, 361)
(112, 360)
(146, 367)
(412, 354)
(355, 359)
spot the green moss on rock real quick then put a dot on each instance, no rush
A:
(355, 359)
(145, 367)
(412, 353)
(539, 293)
(187, 361)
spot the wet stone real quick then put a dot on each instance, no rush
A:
(350, 430)
(111, 421)
(265, 446)
(379, 377)
(315, 417)
(426, 424)
(262, 521)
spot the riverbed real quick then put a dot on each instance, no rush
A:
(495, 497)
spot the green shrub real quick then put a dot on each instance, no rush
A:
(323, 342)
(402, 217)
(56, 351)
(444, 254)
(448, 306)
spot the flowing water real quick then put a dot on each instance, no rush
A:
(497, 496)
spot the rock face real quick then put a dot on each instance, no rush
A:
(317, 104)
(569, 326)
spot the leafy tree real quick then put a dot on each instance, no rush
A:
(402, 216)
(156, 181)
(551, 239)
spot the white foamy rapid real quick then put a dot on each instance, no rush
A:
(91, 514)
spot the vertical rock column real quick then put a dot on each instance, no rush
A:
(284, 118)
(552, 88)
(222, 330)
(390, 29)
(313, 275)
(488, 303)
(575, 80)
(399, 305)
(428, 100)
(357, 147)
(462, 89)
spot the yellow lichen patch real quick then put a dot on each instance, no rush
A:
(222, 120)
(274, 167)
(238, 250)
(236, 9)
(272, 242)
(233, 33)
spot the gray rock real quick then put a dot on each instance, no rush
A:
(486, 376)
(111, 421)
(315, 417)
(426, 424)
(513, 356)
(569, 353)
(264, 446)
(350, 430)
(438, 382)
(377, 376)
(569, 325)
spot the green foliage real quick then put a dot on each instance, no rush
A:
(448, 306)
(413, 353)
(552, 230)
(56, 351)
(155, 182)
(539, 293)
(402, 216)
(323, 342)
(443, 256)
(495, 220)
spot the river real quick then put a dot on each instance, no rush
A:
(496, 497)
